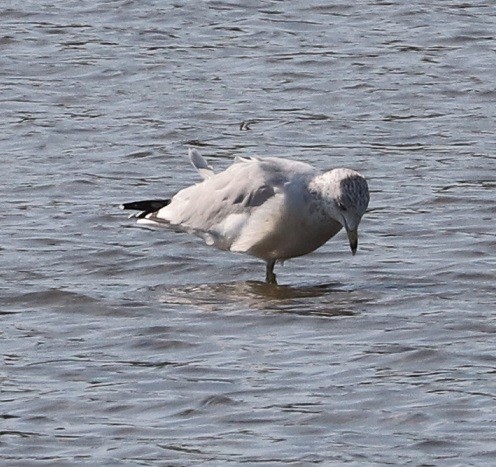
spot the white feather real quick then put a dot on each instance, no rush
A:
(200, 164)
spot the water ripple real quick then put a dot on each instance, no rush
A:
(121, 345)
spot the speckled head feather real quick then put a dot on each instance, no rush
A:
(353, 191)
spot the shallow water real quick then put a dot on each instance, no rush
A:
(125, 345)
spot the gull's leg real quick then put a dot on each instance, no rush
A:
(270, 277)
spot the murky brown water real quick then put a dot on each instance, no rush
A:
(124, 345)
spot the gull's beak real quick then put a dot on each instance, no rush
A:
(353, 238)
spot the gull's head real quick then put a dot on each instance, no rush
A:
(345, 195)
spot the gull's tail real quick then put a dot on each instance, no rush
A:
(145, 207)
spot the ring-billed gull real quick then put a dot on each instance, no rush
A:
(270, 208)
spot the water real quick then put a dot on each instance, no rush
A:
(127, 346)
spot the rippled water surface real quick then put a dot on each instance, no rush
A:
(122, 345)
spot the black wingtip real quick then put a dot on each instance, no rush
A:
(145, 207)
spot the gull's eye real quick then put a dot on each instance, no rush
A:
(341, 206)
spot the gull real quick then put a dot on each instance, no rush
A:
(270, 208)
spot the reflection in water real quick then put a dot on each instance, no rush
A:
(320, 300)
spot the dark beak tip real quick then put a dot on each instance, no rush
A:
(353, 239)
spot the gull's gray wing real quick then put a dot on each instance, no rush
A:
(220, 207)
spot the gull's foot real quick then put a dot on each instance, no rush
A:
(270, 277)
